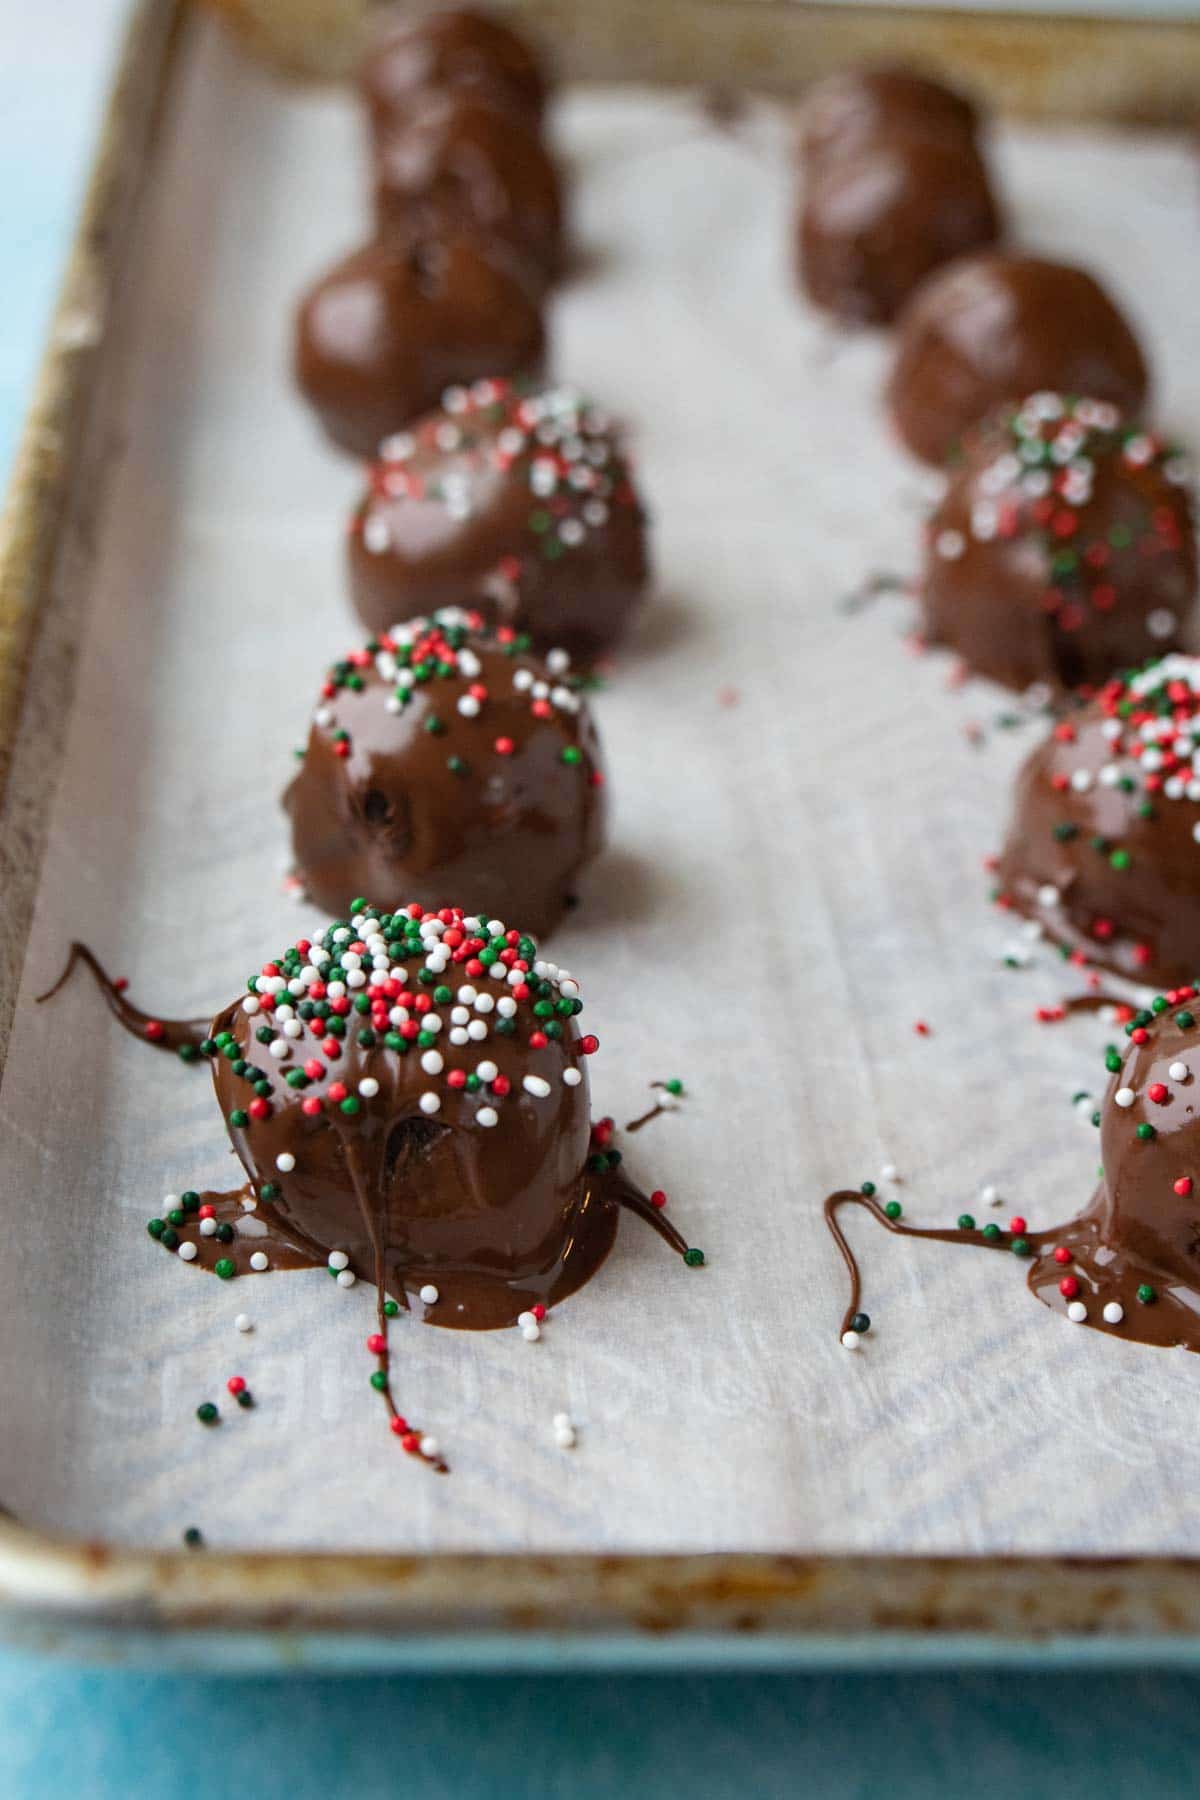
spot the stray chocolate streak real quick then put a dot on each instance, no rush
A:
(163, 1034)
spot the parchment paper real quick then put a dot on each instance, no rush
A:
(795, 878)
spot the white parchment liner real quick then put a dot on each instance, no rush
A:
(795, 878)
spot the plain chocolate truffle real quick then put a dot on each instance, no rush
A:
(390, 327)
(1103, 849)
(875, 222)
(855, 107)
(466, 51)
(521, 493)
(993, 327)
(455, 164)
(1064, 547)
(445, 758)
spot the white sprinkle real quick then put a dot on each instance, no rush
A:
(458, 1036)
(506, 1006)
(188, 1251)
(852, 1340)
(531, 1332)
(285, 1161)
(429, 1294)
(1114, 1312)
(431, 1103)
(989, 1196)
(486, 1071)
(1124, 1096)
(346, 1278)
(368, 1087)
(477, 1031)
(534, 1084)
(251, 1004)
(208, 1228)
(259, 1260)
(1161, 622)
(429, 1446)
(526, 1318)
(564, 1432)
(950, 545)
(278, 1048)
(1077, 1312)
(487, 1116)
(433, 1062)
(338, 1259)
(1048, 895)
(1081, 780)
(889, 1172)
(243, 1322)
(468, 706)
(572, 1077)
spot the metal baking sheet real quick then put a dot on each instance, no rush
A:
(794, 880)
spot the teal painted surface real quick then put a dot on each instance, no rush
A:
(1002, 1737)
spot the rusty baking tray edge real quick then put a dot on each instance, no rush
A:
(340, 1609)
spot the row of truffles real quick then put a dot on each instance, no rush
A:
(468, 231)
(893, 185)
(898, 224)
(444, 757)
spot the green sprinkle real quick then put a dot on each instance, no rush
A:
(1020, 1246)
(351, 1104)
(693, 1258)
(193, 1537)
(571, 753)
(965, 1222)
(893, 1209)
(156, 1227)
(1146, 1294)
(207, 1413)
(1146, 1132)
(860, 1322)
(188, 1053)
(868, 1188)
(390, 1308)
(1185, 1020)
(239, 1118)
(378, 1379)
(169, 1239)
(225, 1267)
(991, 1233)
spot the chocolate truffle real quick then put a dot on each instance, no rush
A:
(992, 327)
(466, 51)
(456, 165)
(446, 758)
(1064, 547)
(1104, 845)
(874, 222)
(523, 492)
(1135, 1254)
(855, 107)
(384, 332)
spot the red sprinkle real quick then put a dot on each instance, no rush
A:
(1062, 1254)
(1068, 1287)
(155, 1030)
(376, 1343)
(658, 1198)
(1017, 1225)
(236, 1384)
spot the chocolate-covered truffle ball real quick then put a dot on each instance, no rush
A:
(856, 106)
(991, 328)
(1104, 844)
(409, 1091)
(1064, 547)
(1134, 1255)
(875, 222)
(523, 492)
(456, 164)
(445, 759)
(466, 50)
(390, 327)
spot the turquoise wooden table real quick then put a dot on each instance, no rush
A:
(97, 1733)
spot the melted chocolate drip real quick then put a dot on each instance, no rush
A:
(164, 1034)
(1169, 1319)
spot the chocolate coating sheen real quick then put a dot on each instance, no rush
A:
(1139, 1242)
(454, 163)
(1103, 845)
(462, 1165)
(1064, 546)
(991, 327)
(522, 493)
(856, 107)
(391, 326)
(464, 50)
(450, 760)
(876, 221)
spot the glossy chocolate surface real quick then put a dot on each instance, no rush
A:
(449, 761)
(455, 164)
(993, 327)
(1103, 845)
(519, 492)
(461, 49)
(382, 335)
(1064, 547)
(855, 107)
(875, 221)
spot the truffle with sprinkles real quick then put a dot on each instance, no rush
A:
(1104, 844)
(1129, 1265)
(1064, 547)
(522, 493)
(408, 1095)
(445, 757)
(991, 327)
(380, 336)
